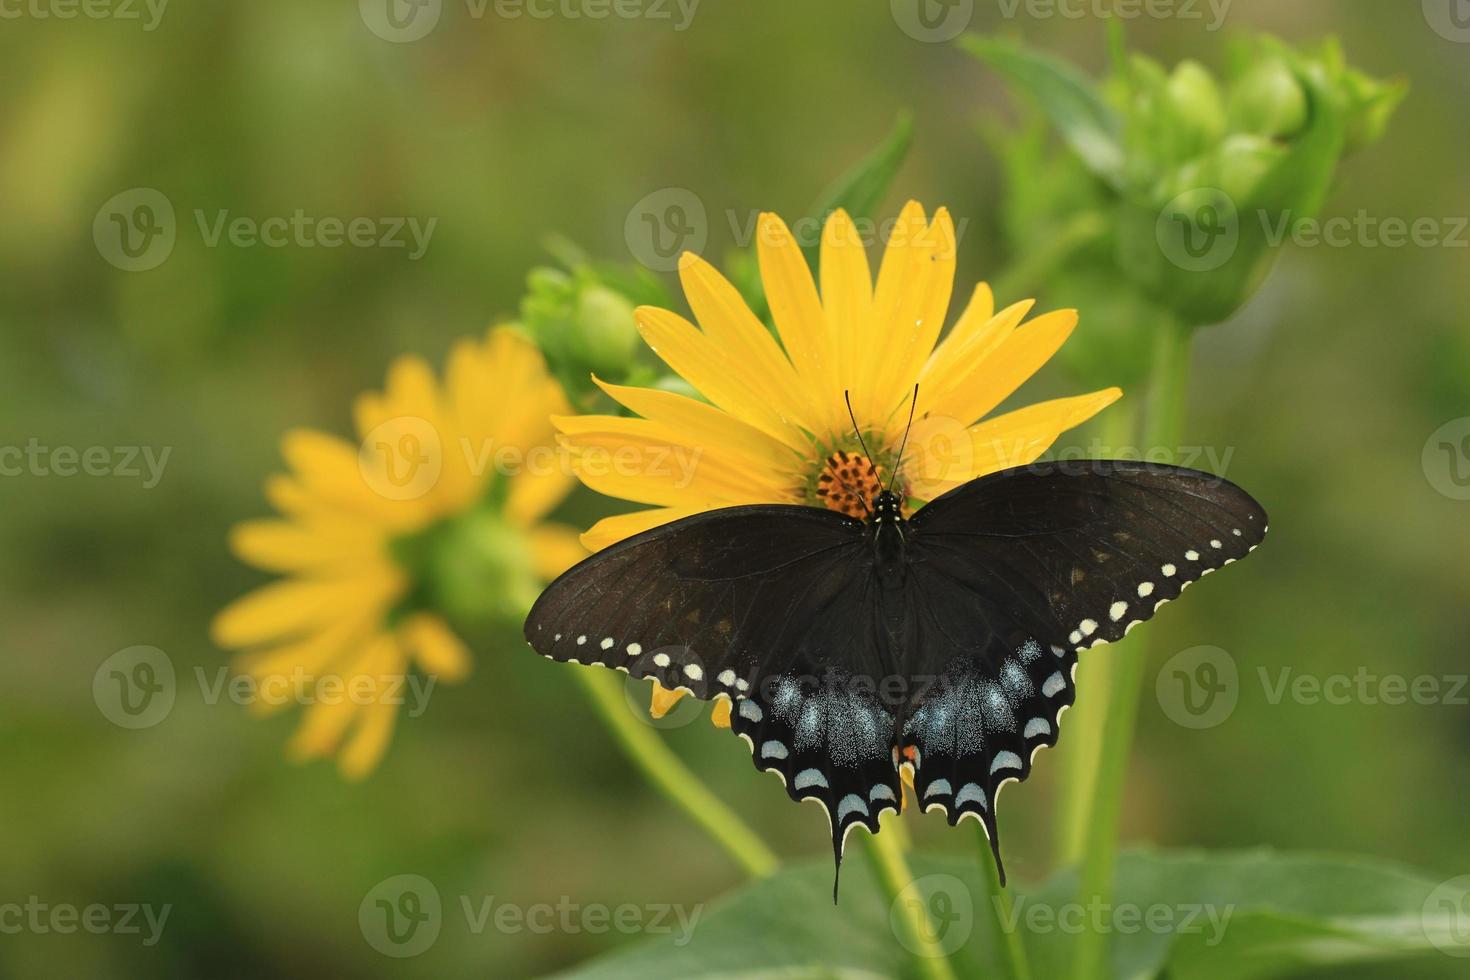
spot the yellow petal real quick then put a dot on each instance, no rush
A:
(713, 372)
(847, 295)
(554, 549)
(369, 741)
(282, 674)
(329, 470)
(1017, 358)
(321, 728)
(1014, 439)
(635, 462)
(284, 609)
(663, 700)
(719, 716)
(975, 337)
(914, 321)
(611, 530)
(544, 479)
(412, 431)
(904, 258)
(797, 311)
(502, 397)
(436, 648)
(753, 353)
(693, 423)
(282, 546)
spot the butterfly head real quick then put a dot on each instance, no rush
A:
(887, 508)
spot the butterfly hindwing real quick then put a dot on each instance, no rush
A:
(829, 736)
(771, 606)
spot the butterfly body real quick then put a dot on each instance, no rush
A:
(941, 646)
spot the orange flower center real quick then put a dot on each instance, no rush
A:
(846, 480)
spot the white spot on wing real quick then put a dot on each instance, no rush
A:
(1005, 760)
(808, 778)
(940, 787)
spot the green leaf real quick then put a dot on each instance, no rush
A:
(1216, 916)
(859, 192)
(861, 189)
(1068, 97)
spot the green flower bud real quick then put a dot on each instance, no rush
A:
(1371, 105)
(478, 569)
(584, 326)
(605, 333)
(1239, 164)
(1268, 101)
(1196, 108)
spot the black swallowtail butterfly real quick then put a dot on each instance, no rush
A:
(945, 642)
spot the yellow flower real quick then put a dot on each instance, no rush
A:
(446, 490)
(775, 426)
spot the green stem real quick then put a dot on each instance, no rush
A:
(1012, 948)
(886, 853)
(1168, 391)
(667, 773)
(1079, 751)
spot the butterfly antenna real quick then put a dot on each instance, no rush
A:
(847, 397)
(913, 403)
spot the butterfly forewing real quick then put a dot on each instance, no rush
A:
(1013, 575)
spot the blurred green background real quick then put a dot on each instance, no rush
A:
(1325, 390)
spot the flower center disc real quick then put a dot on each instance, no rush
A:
(846, 480)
